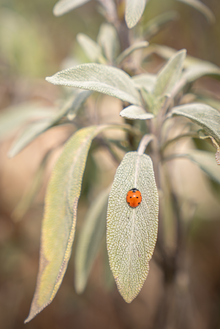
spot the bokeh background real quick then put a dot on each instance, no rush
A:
(35, 44)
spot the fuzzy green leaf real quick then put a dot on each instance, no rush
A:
(64, 6)
(134, 11)
(132, 232)
(170, 74)
(97, 77)
(199, 70)
(154, 25)
(205, 116)
(146, 81)
(109, 41)
(198, 5)
(90, 238)
(92, 50)
(135, 112)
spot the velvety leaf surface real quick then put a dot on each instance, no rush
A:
(92, 49)
(146, 81)
(134, 11)
(108, 41)
(204, 115)
(64, 6)
(90, 238)
(132, 232)
(58, 227)
(135, 112)
(170, 74)
(97, 77)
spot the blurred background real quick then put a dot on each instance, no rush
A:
(35, 44)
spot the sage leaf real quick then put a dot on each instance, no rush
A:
(127, 52)
(92, 50)
(58, 227)
(134, 11)
(146, 81)
(97, 77)
(170, 74)
(91, 235)
(199, 70)
(135, 112)
(201, 7)
(14, 117)
(64, 6)
(132, 232)
(78, 102)
(109, 41)
(204, 115)
(154, 25)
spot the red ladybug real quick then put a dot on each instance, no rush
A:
(134, 198)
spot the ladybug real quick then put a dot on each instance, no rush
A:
(134, 198)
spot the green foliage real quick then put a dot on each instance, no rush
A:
(151, 103)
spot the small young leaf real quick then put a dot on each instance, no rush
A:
(58, 227)
(92, 50)
(200, 7)
(109, 41)
(170, 74)
(132, 232)
(146, 81)
(90, 238)
(97, 77)
(205, 116)
(135, 112)
(127, 52)
(134, 11)
(64, 6)
(79, 100)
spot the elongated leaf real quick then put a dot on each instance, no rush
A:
(200, 7)
(135, 112)
(77, 103)
(58, 227)
(127, 52)
(132, 232)
(97, 77)
(92, 50)
(197, 71)
(205, 116)
(64, 6)
(134, 11)
(14, 117)
(170, 74)
(90, 238)
(206, 161)
(146, 81)
(154, 25)
(109, 41)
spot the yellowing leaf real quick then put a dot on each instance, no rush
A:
(132, 232)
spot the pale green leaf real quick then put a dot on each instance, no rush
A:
(135, 112)
(170, 74)
(97, 77)
(206, 161)
(14, 117)
(199, 70)
(146, 81)
(58, 227)
(134, 11)
(205, 116)
(132, 232)
(109, 41)
(90, 238)
(64, 6)
(154, 25)
(127, 52)
(198, 5)
(78, 102)
(92, 50)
